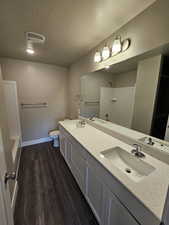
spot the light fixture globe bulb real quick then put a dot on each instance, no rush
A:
(116, 47)
(105, 53)
(97, 57)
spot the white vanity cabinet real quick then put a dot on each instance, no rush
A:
(108, 209)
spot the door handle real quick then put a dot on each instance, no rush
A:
(9, 176)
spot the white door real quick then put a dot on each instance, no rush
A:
(6, 214)
(12, 108)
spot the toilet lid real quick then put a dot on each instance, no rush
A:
(54, 133)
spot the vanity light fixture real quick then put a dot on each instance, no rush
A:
(117, 46)
(97, 57)
(105, 53)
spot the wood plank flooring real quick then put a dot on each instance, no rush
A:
(48, 193)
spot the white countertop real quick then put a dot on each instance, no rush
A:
(151, 190)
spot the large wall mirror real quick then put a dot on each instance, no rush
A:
(133, 95)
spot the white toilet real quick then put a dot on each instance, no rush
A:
(54, 135)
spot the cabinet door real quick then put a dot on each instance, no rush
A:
(78, 167)
(94, 189)
(68, 149)
(117, 213)
(62, 144)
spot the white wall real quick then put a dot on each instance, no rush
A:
(38, 82)
(118, 104)
(127, 79)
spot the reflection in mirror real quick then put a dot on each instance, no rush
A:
(133, 96)
(108, 96)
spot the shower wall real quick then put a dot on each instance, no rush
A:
(118, 104)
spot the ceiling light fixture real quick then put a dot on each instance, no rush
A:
(30, 51)
(31, 39)
(105, 53)
(97, 57)
(116, 47)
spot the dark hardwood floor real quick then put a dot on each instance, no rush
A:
(48, 193)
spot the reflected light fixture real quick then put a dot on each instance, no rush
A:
(116, 47)
(105, 53)
(97, 57)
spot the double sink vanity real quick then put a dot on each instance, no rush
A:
(122, 174)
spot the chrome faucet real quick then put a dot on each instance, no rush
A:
(91, 118)
(137, 151)
(82, 122)
(150, 141)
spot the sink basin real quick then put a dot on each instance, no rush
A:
(135, 168)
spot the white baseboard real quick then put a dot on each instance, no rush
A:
(36, 141)
(15, 192)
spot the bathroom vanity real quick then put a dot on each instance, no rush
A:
(119, 187)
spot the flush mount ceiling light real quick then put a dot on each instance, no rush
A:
(30, 49)
(105, 53)
(97, 57)
(33, 38)
(117, 46)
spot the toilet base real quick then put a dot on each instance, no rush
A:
(56, 142)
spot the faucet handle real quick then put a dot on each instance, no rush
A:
(137, 151)
(137, 146)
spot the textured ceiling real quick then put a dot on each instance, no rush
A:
(72, 27)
